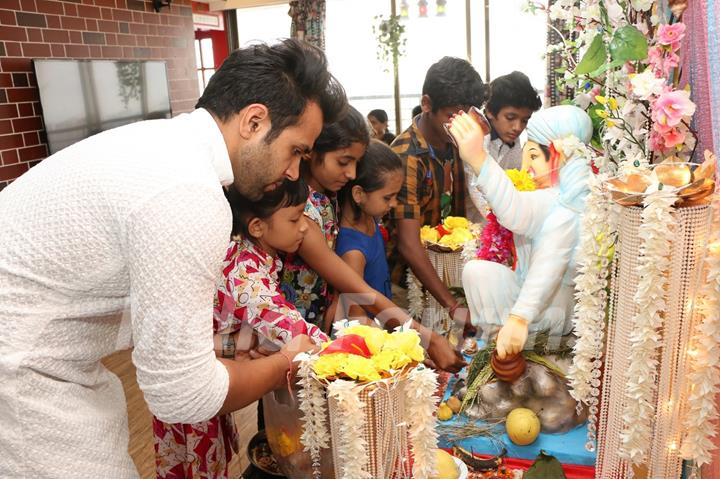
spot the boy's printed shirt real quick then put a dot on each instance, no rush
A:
(433, 188)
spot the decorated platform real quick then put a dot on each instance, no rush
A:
(568, 448)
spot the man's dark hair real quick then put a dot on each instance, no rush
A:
(351, 128)
(452, 82)
(513, 90)
(283, 77)
(416, 110)
(289, 193)
(380, 115)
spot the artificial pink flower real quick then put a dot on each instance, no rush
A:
(656, 142)
(655, 60)
(670, 108)
(671, 34)
(673, 137)
(671, 61)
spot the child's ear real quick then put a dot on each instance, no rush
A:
(426, 103)
(257, 228)
(358, 194)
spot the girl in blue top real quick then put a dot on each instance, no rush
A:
(363, 201)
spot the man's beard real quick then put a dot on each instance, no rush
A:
(256, 171)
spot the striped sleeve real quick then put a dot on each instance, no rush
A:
(410, 194)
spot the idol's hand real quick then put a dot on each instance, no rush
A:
(512, 337)
(469, 136)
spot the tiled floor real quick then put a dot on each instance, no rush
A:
(140, 421)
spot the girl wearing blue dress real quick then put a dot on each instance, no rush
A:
(363, 202)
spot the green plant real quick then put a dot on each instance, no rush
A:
(391, 41)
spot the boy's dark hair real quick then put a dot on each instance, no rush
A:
(453, 81)
(283, 77)
(371, 173)
(351, 128)
(380, 115)
(513, 90)
(416, 111)
(289, 193)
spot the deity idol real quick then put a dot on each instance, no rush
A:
(538, 295)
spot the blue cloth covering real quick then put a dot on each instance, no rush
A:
(372, 248)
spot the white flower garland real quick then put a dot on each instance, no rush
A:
(351, 446)
(422, 384)
(704, 378)
(312, 403)
(416, 298)
(597, 238)
(656, 235)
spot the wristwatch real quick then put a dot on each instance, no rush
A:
(227, 346)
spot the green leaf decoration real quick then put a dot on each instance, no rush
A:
(597, 122)
(606, 67)
(628, 44)
(594, 57)
(545, 467)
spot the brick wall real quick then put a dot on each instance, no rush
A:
(76, 29)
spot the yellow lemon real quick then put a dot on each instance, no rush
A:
(522, 426)
(446, 467)
(454, 404)
(444, 413)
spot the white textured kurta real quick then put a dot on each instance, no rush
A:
(546, 235)
(121, 235)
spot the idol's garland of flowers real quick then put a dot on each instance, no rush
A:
(626, 84)
(704, 353)
(656, 236)
(496, 242)
(360, 356)
(594, 257)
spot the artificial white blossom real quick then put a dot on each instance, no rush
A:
(312, 404)
(597, 239)
(416, 298)
(656, 235)
(704, 354)
(351, 445)
(646, 84)
(422, 384)
(642, 5)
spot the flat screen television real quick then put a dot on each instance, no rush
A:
(82, 97)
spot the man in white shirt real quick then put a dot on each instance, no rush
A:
(120, 238)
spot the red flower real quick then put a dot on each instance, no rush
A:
(384, 233)
(497, 243)
(351, 344)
